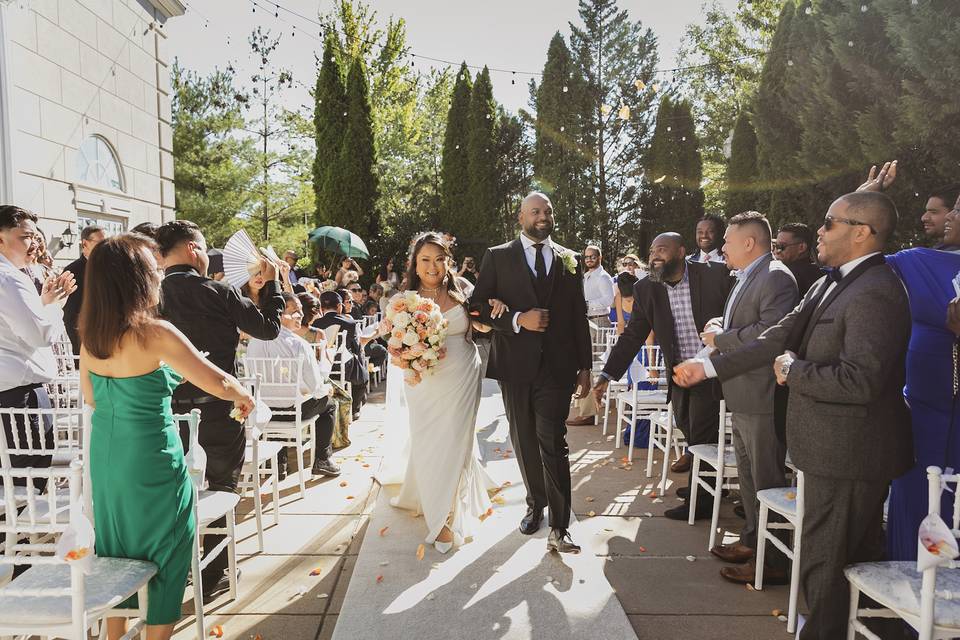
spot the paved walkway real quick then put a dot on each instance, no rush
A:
(644, 557)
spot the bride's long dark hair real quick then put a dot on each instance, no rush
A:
(450, 282)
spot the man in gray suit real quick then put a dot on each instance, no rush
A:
(765, 292)
(841, 355)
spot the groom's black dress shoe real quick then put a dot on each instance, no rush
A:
(531, 522)
(560, 541)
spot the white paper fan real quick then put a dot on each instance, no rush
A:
(270, 253)
(241, 259)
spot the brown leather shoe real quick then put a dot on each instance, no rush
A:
(735, 553)
(583, 421)
(682, 465)
(746, 574)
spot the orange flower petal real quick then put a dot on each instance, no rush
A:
(420, 551)
(216, 631)
(317, 572)
(383, 531)
(343, 484)
(379, 579)
(642, 549)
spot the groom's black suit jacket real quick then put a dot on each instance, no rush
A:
(565, 345)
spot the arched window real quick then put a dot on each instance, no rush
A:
(97, 165)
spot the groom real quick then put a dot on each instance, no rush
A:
(541, 352)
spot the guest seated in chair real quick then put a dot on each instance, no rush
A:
(289, 345)
(331, 304)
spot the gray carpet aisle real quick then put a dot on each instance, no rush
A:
(500, 585)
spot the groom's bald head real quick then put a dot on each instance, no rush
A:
(536, 216)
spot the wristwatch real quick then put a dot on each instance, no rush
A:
(785, 367)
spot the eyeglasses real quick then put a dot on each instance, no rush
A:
(829, 220)
(780, 246)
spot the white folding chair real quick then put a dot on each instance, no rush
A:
(928, 601)
(341, 357)
(67, 363)
(281, 384)
(260, 460)
(53, 597)
(723, 461)
(788, 502)
(635, 404)
(209, 506)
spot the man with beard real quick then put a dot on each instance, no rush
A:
(675, 301)
(709, 235)
(934, 217)
(793, 247)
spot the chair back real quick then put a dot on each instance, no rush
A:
(196, 457)
(37, 503)
(724, 434)
(67, 363)
(30, 433)
(937, 481)
(341, 356)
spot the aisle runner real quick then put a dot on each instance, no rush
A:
(501, 585)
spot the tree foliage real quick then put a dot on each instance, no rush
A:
(478, 230)
(330, 122)
(455, 169)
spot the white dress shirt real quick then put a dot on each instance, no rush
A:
(530, 253)
(598, 292)
(27, 330)
(290, 345)
(712, 256)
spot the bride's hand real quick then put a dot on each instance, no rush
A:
(498, 308)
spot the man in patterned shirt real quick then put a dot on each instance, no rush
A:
(674, 303)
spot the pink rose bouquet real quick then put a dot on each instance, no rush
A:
(417, 332)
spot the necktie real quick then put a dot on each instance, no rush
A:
(539, 264)
(833, 274)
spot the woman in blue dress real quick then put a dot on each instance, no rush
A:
(928, 277)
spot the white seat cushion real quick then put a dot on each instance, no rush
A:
(267, 451)
(215, 504)
(708, 453)
(783, 500)
(112, 581)
(654, 398)
(896, 585)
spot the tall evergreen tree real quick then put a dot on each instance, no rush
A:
(617, 57)
(330, 119)
(355, 173)
(454, 171)
(561, 163)
(482, 204)
(514, 171)
(743, 193)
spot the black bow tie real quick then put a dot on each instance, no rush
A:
(833, 274)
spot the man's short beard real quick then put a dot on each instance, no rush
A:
(538, 234)
(659, 274)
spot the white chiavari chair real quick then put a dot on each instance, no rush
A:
(722, 469)
(788, 502)
(260, 461)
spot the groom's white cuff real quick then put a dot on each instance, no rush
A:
(516, 322)
(708, 368)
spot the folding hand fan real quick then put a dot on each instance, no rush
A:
(241, 259)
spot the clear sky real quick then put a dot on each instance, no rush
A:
(506, 34)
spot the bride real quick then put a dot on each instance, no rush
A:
(444, 479)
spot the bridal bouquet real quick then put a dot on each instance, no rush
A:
(417, 331)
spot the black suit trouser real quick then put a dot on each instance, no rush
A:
(321, 408)
(842, 524)
(224, 440)
(537, 413)
(697, 413)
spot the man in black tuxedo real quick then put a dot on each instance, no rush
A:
(541, 352)
(331, 304)
(675, 301)
(90, 236)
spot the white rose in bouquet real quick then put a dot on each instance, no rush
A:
(410, 338)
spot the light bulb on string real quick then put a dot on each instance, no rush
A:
(605, 109)
(655, 87)
(564, 88)
(863, 8)
(638, 83)
(624, 112)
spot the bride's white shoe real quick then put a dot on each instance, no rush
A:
(444, 547)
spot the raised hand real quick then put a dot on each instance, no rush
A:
(880, 181)
(57, 288)
(268, 269)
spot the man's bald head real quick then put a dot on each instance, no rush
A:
(667, 257)
(536, 216)
(874, 208)
(535, 199)
(671, 238)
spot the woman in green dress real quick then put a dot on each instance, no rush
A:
(130, 363)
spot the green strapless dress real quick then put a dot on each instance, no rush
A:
(142, 496)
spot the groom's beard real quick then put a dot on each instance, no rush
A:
(665, 271)
(538, 234)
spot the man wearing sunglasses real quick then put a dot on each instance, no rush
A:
(793, 247)
(841, 355)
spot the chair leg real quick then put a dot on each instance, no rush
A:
(232, 552)
(197, 585)
(606, 410)
(633, 433)
(300, 464)
(142, 605)
(275, 481)
(694, 490)
(715, 518)
(258, 507)
(852, 616)
(762, 534)
(654, 429)
(794, 581)
(666, 457)
(620, 411)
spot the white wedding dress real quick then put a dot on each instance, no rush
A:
(444, 479)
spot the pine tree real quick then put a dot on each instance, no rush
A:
(454, 170)
(743, 192)
(330, 119)
(355, 175)
(560, 163)
(479, 229)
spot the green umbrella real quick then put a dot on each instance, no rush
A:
(339, 240)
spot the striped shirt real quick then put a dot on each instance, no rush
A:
(688, 338)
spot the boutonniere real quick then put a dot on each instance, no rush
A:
(569, 260)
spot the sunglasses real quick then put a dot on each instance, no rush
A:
(780, 246)
(829, 220)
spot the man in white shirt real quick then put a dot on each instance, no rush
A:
(710, 231)
(598, 292)
(29, 324)
(314, 376)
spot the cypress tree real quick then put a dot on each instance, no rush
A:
(743, 193)
(482, 201)
(454, 168)
(329, 119)
(355, 174)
